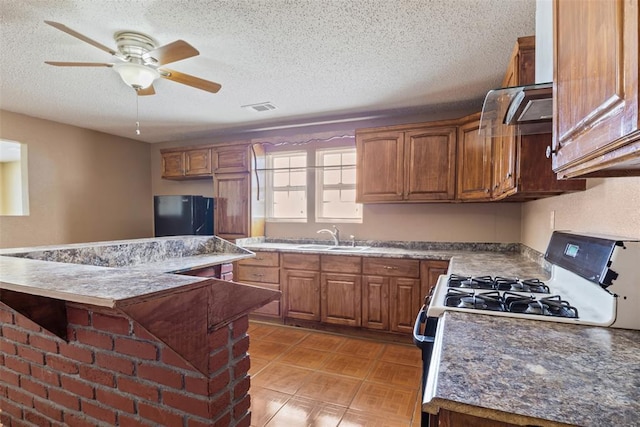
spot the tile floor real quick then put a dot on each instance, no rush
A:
(301, 377)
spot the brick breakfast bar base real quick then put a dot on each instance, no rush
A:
(177, 357)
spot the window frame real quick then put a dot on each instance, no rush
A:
(320, 188)
(269, 193)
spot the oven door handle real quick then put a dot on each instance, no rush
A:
(421, 341)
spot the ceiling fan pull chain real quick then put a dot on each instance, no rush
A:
(137, 117)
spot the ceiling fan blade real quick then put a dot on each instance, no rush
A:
(171, 52)
(189, 80)
(84, 38)
(146, 91)
(79, 64)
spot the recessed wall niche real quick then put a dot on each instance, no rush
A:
(14, 183)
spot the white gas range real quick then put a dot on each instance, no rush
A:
(594, 281)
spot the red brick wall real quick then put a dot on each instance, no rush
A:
(112, 372)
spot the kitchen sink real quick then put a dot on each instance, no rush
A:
(330, 248)
(312, 247)
(348, 248)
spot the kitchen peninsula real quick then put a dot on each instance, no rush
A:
(108, 333)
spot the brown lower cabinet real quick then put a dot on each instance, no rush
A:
(382, 294)
(264, 271)
(301, 286)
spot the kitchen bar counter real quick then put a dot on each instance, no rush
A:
(537, 373)
(110, 273)
(107, 332)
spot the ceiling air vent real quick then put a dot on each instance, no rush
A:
(260, 107)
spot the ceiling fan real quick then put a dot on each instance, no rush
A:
(139, 60)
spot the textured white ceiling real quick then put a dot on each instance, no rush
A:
(313, 59)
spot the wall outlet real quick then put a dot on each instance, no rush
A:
(552, 220)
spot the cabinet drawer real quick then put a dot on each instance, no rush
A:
(249, 273)
(391, 267)
(341, 264)
(266, 259)
(301, 261)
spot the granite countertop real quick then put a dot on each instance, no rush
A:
(538, 373)
(464, 258)
(109, 273)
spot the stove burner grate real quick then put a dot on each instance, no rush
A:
(498, 283)
(480, 282)
(480, 301)
(547, 306)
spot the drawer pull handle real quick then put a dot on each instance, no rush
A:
(386, 267)
(258, 275)
(258, 258)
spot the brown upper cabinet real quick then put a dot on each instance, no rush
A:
(595, 92)
(521, 170)
(232, 205)
(232, 159)
(186, 163)
(415, 164)
(474, 162)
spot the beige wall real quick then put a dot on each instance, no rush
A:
(609, 206)
(437, 222)
(83, 185)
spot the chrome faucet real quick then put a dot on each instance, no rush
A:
(335, 234)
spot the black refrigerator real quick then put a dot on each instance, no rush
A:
(182, 215)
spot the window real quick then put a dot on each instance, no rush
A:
(326, 177)
(287, 186)
(336, 186)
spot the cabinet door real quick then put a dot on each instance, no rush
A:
(430, 271)
(232, 159)
(198, 162)
(375, 302)
(231, 205)
(301, 293)
(504, 160)
(173, 164)
(430, 164)
(380, 167)
(474, 163)
(595, 97)
(405, 302)
(341, 299)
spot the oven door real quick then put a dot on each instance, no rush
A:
(424, 331)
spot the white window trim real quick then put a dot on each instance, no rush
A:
(319, 187)
(270, 190)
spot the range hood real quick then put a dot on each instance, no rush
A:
(526, 110)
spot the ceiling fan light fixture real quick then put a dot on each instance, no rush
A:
(136, 75)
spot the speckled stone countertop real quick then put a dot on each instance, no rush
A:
(108, 273)
(536, 373)
(465, 258)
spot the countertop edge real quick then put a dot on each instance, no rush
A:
(437, 403)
